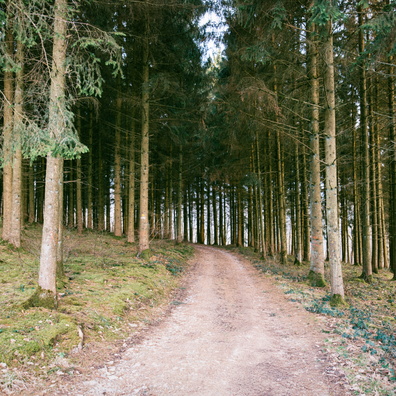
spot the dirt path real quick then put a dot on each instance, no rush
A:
(234, 334)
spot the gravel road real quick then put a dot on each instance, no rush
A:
(234, 333)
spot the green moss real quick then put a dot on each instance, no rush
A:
(34, 331)
(337, 300)
(146, 254)
(41, 298)
(366, 278)
(105, 288)
(316, 279)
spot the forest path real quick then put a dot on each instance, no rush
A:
(233, 334)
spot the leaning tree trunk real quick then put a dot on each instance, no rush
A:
(53, 180)
(337, 284)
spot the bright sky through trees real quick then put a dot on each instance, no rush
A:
(214, 28)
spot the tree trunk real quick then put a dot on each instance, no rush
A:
(240, 233)
(53, 181)
(89, 176)
(373, 173)
(337, 284)
(298, 228)
(185, 216)
(179, 227)
(144, 225)
(60, 270)
(317, 252)
(215, 217)
(8, 116)
(31, 185)
(18, 125)
(269, 228)
(79, 198)
(367, 273)
(208, 216)
(392, 167)
(221, 218)
(100, 202)
(305, 211)
(281, 201)
(357, 234)
(131, 193)
(117, 168)
(260, 214)
(201, 212)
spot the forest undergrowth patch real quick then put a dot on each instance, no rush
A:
(107, 294)
(361, 336)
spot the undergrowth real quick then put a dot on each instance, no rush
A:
(106, 289)
(363, 331)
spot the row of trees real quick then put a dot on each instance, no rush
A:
(131, 133)
(316, 79)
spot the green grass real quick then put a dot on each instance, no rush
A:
(105, 290)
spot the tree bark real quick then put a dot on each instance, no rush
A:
(53, 181)
(317, 252)
(298, 228)
(101, 201)
(367, 272)
(215, 216)
(8, 116)
(117, 168)
(131, 184)
(31, 187)
(281, 201)
(89, 176)
(392, 167)
(18, 125)
(79, 197)
(337, 284)
(144, 225)
(179, 227)
(305, 211)
(260, 214)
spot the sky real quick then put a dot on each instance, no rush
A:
(214, 26)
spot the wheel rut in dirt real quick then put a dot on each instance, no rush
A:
(233, 334)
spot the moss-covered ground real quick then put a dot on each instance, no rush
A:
(106, 290)
(361, 334)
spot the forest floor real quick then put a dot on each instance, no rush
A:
(223, 328)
